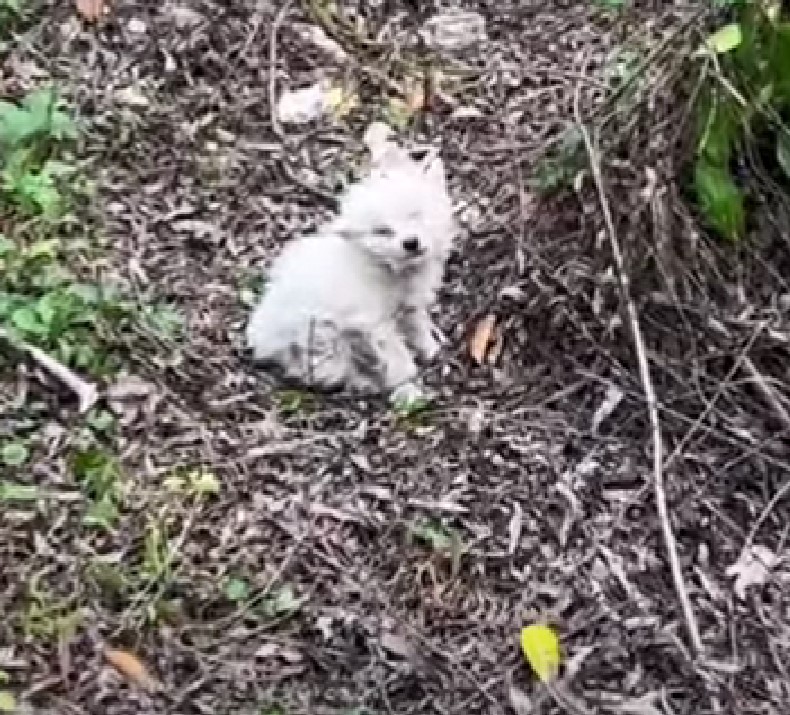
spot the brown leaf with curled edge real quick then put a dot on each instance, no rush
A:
(482, 337)
(132, 668)
(91, 10)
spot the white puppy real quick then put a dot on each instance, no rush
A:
(343, 307)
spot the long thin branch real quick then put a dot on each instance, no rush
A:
(647, 385)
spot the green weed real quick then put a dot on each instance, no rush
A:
(194, 482)
(295, 402)
(32, 177)
(13, 492)
(440, 539)
(412, 414)
(742, 110)
(12, 12)
(280, 602)
(250, 287)
(42, 303)
(435, 535)
(272, 709)
(158, 556)
(236, 589)
(612, 4)
(14, 454)
(557, 169)
(47, 617)
(108, 578)
(98, 473)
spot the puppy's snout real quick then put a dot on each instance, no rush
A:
(411, 244)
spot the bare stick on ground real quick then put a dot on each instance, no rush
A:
(647, 385)
(86, 392)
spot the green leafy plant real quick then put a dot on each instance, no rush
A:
(250, 287)
(10, 12)
(442, 540)
(742, 109)
(13, 492)
(414, 413)
(158, 555)
(107, 578)
(194, 482)
(295, 402)
(280, 602)
(29, 132)
(435, 535)
(14, 454)
(557, 169)
(272, 709)
(99, 475)
(237, 589)
(42, 303)
(612, 4)
(47, 616)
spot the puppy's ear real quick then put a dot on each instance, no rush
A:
(391, 159)
(433, 166)
(378, 136)
(345, 229)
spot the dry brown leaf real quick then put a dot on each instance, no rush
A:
(91, 10)
(131, 667)
(415, 98)
(481, 338)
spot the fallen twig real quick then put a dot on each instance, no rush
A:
(711, 403)
(86, 392)
(275, 28)
(782, 492)
(768, 393)
(647, 385)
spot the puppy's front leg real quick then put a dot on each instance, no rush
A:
(420, 332)
(398, 366)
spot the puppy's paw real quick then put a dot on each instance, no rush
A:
(429, 347)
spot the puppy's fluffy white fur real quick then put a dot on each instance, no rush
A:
(344, 308)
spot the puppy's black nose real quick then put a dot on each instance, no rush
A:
(411, 244)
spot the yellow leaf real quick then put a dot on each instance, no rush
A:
(482, 338)
(541, 648)
(131, 667)
(725, 39)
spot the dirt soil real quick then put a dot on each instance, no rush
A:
(355, 561)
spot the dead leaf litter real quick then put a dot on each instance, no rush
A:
(264, 558)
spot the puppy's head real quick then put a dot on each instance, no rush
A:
(401, 213)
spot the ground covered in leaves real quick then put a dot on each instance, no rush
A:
(262, 551)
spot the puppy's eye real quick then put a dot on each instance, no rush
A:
(383, 231)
